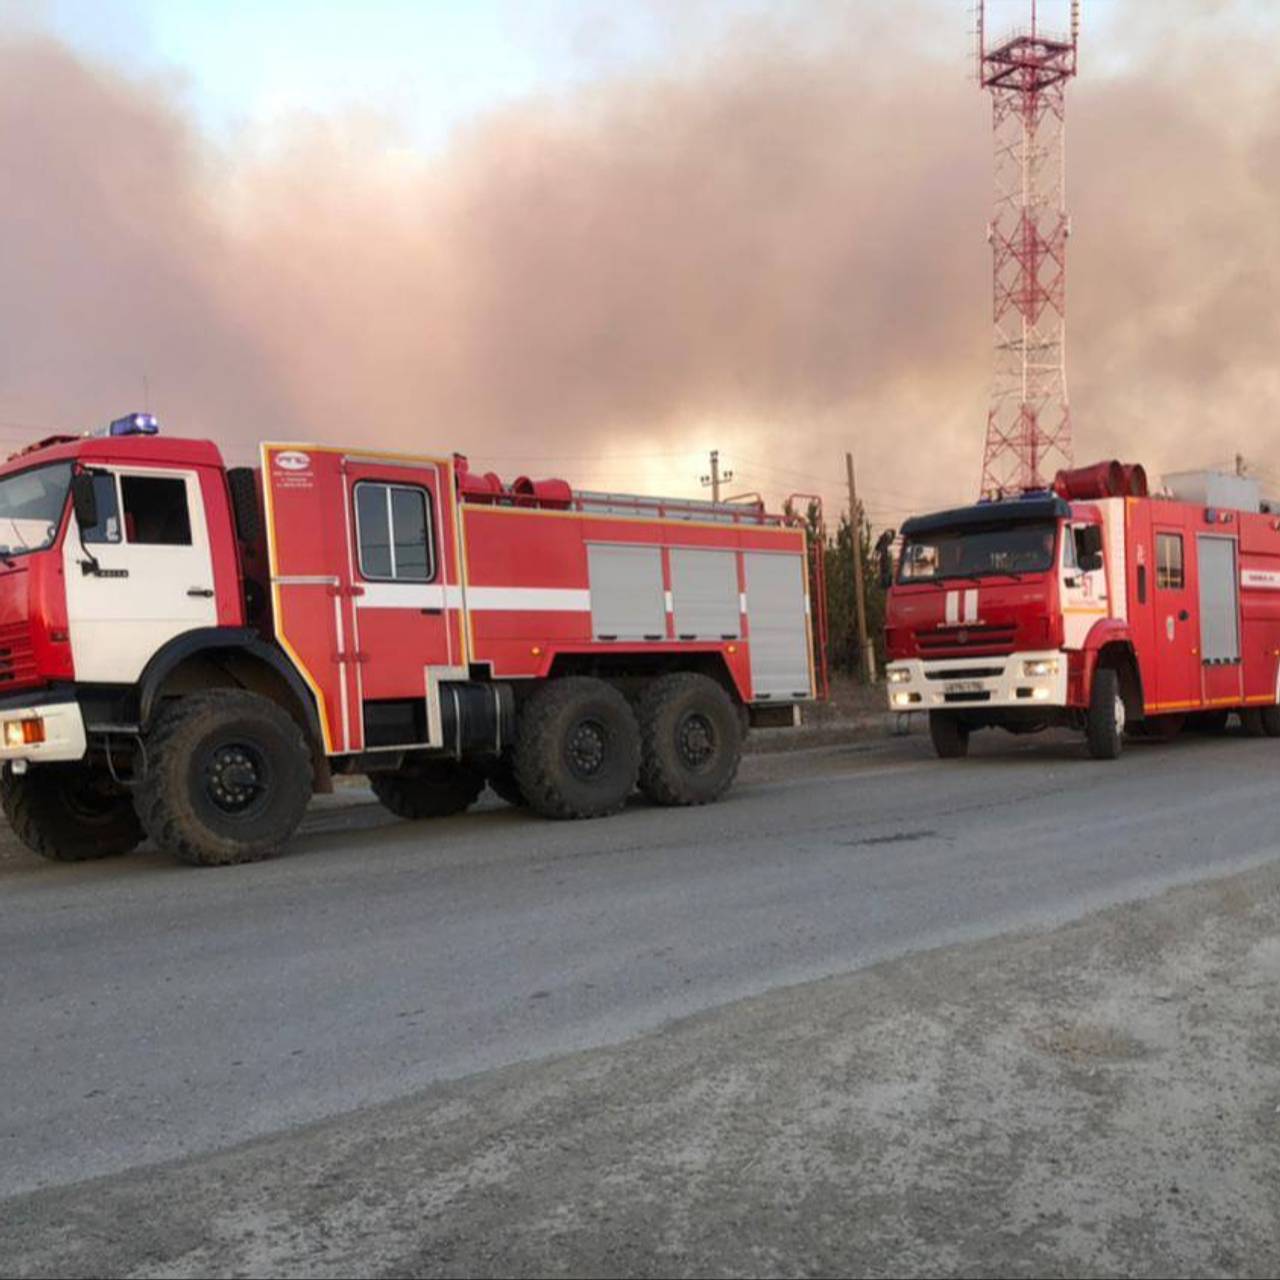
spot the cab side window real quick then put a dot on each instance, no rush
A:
(155, 510)
(393, 531)
(1169, 570)
(108, 529)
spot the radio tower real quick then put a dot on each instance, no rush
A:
(1029, 423)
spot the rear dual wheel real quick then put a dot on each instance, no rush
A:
(581, 750)
(691, 740)
(1261, 722)
(501, 777)
(577, 749)
(428, 788)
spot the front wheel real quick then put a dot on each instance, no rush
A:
(1104, 728)
(950, 735)
(227, 778)
(69, 812)
(691, 735)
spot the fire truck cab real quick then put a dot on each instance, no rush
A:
(1094, 605)
(187, 652)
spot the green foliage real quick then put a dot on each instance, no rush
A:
(841, 616)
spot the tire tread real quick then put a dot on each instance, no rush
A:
(25, 801)
(536, 771)
(165, 812)
(660, 783)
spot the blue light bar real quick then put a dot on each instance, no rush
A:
(134, 424)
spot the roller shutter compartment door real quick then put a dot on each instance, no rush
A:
(778, 634)
(704, 588)
(627, 598)
(1219, 600)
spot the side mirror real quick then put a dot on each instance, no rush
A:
(1089, 547)
(1089, 540)
(884, 552)
(84, 500)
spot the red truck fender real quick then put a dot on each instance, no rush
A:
(1110, 643)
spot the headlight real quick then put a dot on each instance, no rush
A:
(897, 675)
(1040, 667)
(902, 699)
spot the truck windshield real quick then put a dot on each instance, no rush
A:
(31, 504)
(979, 551)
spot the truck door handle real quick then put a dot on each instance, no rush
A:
(204, 592)
(432, 613)
(1184, 616)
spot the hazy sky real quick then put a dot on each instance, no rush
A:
(601, 238)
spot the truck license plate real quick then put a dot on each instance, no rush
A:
(963, 686)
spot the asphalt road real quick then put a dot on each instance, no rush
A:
(151, 1011)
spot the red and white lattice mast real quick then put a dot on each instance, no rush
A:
(1029, 423)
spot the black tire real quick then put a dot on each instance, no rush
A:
(1162, 727)
(227, 778)
(1104, 726)
(690, 740)
(428, 788)
(69, 812)
(1270, 721)
(950, 735)
(577, 749)
(501, 777)
(1252, 723)
(1213, 723)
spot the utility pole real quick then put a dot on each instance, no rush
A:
(860, 597)
(1240, 467)
(717, 477)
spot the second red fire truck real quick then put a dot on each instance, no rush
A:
(1095, 605)
(187, 652)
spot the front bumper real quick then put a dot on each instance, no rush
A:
(977, 684)
(63, 731)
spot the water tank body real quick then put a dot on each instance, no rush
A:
(1218, 489)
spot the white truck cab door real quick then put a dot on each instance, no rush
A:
(1084, 591)
(142, 575)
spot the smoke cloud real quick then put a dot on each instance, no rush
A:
(775, 248)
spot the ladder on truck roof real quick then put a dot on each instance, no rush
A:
(630, 504)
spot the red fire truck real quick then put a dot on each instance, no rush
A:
(188, 652)
(1095, 605)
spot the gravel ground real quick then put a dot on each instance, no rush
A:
(1098, 1099)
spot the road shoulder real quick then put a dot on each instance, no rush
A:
(1100, 1098)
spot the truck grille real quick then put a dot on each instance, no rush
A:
(17, 657)
(965, 642)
